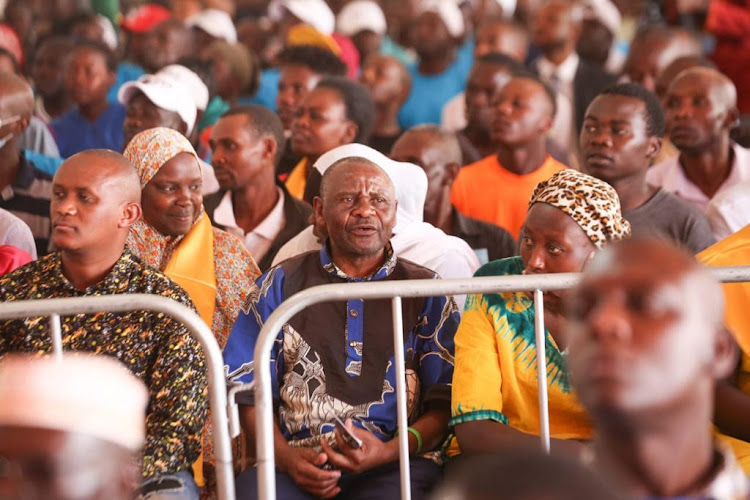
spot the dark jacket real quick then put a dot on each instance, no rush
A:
(480, 235)
(587, 84)
(296, 215)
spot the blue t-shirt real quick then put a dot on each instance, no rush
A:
(126, 72)
(269, 87)
(429, 93)
(74, 133)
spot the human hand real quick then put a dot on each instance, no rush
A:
(303, 466)
(373, 452)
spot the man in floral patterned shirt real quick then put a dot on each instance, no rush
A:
(95, 200)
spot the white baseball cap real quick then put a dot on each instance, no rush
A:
(605, 12)
(216, 23)
(448, 11)
(361, 15)
(164, 92)
(89, 394)
(190, 80)
(509, 7)
(316, 13)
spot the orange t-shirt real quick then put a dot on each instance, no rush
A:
(486, 191)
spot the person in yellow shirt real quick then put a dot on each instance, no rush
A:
(494, 396)
(732, 416)
(496, 189)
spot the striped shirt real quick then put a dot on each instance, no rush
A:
(28, 198)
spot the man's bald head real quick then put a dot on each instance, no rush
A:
(712, 79)
(16, 96)
(646, 332)
(676, 67)
(95, 200)
(108, 168)
(425, 145)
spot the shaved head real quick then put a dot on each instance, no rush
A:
(718, 83)
(16, 96)
(108, 168)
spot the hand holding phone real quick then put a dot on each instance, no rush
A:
(348, 436)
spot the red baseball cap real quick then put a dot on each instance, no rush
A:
(144, 18)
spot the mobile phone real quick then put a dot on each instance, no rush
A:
(352, 440)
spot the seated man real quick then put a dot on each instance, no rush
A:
(83, 415)
(96, 199)
(621, 136)
(497, 188)
(701, 110)
(647, 346)
(252, 204)
(438, 153)
(313, 382)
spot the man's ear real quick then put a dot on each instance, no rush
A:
(270, 148)
(131, 212)
(732, 120)
(654, 147)
(318, 212)
(726, 355)
(546, 125)
(350, 133)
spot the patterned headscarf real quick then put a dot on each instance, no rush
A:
(151, 149)
(591, 203)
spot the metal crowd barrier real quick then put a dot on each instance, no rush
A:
(217, 389)
(395, 291)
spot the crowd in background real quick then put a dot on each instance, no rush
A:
(227, 154)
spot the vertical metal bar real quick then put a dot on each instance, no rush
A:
(403, 422)
(541, 368)
(56, 336)
(264, 431)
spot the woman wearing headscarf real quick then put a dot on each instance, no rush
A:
(176, 237)
(495, 392)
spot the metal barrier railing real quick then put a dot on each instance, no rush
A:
(120, 303)
(395, 291)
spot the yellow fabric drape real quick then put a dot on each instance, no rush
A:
(192, 267)
(297, 180)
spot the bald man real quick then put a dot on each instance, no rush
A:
(25, 190)
(700, 111)
(646, 349)
(653, 49)
(96, 198)
(345, 368)
(438, 153)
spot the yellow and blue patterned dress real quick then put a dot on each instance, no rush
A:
(495, 374)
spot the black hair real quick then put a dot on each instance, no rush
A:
(654, 114)
(16, 67)
(514, 67)
(319, 60)
(109, 55)
(359, 105)
(551, 94)
(263, 121)
(204, 70)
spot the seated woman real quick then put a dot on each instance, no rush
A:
(494, 398)
(336, 112)
(175, 236)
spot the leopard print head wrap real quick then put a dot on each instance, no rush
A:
(591, 203)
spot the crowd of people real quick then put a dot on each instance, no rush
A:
(227, 154)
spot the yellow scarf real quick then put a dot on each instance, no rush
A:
(192, 267)
(297, 180)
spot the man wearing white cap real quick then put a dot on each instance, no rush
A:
(316, 13)
(83, 416)
(439, 74)
(210, 25)
(337, 358)
(165, 100)
(364, 22)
